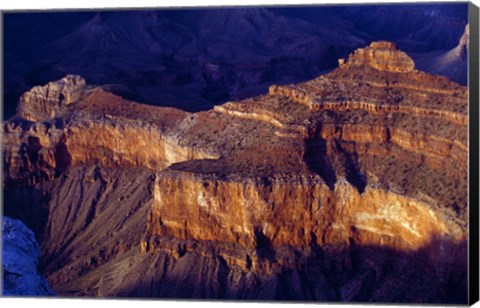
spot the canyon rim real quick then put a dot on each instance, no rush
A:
(341, 178)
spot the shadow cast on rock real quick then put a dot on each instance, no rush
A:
(318, 162)
(28, 204)
(436, 273)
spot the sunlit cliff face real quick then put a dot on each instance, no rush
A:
(373, 154)
(296, 212)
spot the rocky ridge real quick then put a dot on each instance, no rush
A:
(360, 167)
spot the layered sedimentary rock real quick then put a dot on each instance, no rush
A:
(332, 189)
(111, 137)
(291, 211)
(45, 102)
(382, 56)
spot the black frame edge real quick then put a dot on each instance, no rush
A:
(1, 146)
(473, 85)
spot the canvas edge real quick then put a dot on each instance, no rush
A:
(474, 131)
(473, 85)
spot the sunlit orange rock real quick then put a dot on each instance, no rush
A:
(382, 56)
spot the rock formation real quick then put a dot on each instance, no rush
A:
(382, 56)
(45, 103)
(20, 261)
(350, 187)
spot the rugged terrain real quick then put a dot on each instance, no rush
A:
(193, 59)
(348, 187)
(452, 63)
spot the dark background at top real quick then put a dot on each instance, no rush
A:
(196, 58)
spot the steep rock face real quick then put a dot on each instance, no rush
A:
(20, 261)
(357, 176)
(45, 102)
(430, 146)
(29, 153)
(126, 145)
(294, 212)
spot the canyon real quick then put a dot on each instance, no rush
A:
(196, 59)
(348, 187)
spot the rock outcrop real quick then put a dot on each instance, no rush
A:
(382, 56)
(46, 102)
(112, 137)
(339, 188)
(20, 261)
